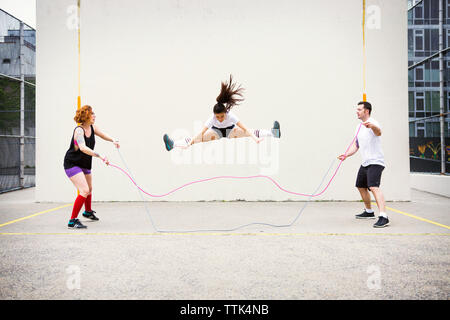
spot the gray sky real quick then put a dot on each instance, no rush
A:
(24, 10)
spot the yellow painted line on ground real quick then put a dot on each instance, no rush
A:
(35, 214)
(263, 234)
(225, 234)
(419, 218)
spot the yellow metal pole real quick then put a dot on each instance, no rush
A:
(79, 63)
(364, 50)
(79, 54)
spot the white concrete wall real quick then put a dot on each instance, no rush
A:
(432, 183)
(151, 67)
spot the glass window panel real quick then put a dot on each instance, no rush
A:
(419, 74)
(410, 40)
(411, 101)
(434, 39)
(448, 102)
(419, 42)
(411, 77)
(434, 9)
(428, 101)
(434, 75)
(448, 37)
(429, 130)
(419, 104)
(435, 101)
(418, 12)
(411, 130)
(433, 129)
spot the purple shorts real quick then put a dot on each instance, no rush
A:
(76, 170)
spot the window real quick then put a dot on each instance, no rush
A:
(420, 101)
(448, 101)
(418, 11)
(434, 11)
(432, 72)
(411, 103)
(420, 130)
(6, 61)
(418, 39)
(419, 73)
(411, 78)
(434, 40)
(448, 37)
(410, 41)
(448, 10)
(411, 130)
(435, 102)
(432, 129)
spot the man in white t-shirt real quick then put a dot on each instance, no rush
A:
(368, 142)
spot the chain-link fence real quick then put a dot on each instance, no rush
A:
(17, 103)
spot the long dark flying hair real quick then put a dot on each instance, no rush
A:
(229, 96)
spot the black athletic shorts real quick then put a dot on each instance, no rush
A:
(369, 176)
(223, 132)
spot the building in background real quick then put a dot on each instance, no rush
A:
(17, 103)
(10, 57)
(425, 84)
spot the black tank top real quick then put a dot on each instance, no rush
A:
(76, 157)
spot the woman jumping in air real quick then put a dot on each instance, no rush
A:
(224, 123)
(78, 162)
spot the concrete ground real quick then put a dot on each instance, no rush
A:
(326, 254)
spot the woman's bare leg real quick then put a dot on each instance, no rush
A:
(209, 135)
(237, 132)
(80, 182)
(89, 182)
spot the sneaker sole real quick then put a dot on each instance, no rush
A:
(384, 225)
(90, 219)
(365, 218)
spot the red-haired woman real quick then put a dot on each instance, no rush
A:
(78, 162)
(224, 123)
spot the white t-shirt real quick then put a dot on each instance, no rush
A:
(230, 119)
(370, 145)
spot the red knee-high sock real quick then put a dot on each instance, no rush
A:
(87, 204)
(79, 201)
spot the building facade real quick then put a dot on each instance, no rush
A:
(424, 83)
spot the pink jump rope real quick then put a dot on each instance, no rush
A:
(240, 177)
(235, 177)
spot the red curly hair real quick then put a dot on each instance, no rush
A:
(83, 114)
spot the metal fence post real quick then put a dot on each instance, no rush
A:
(441, 82)
(22, 109)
